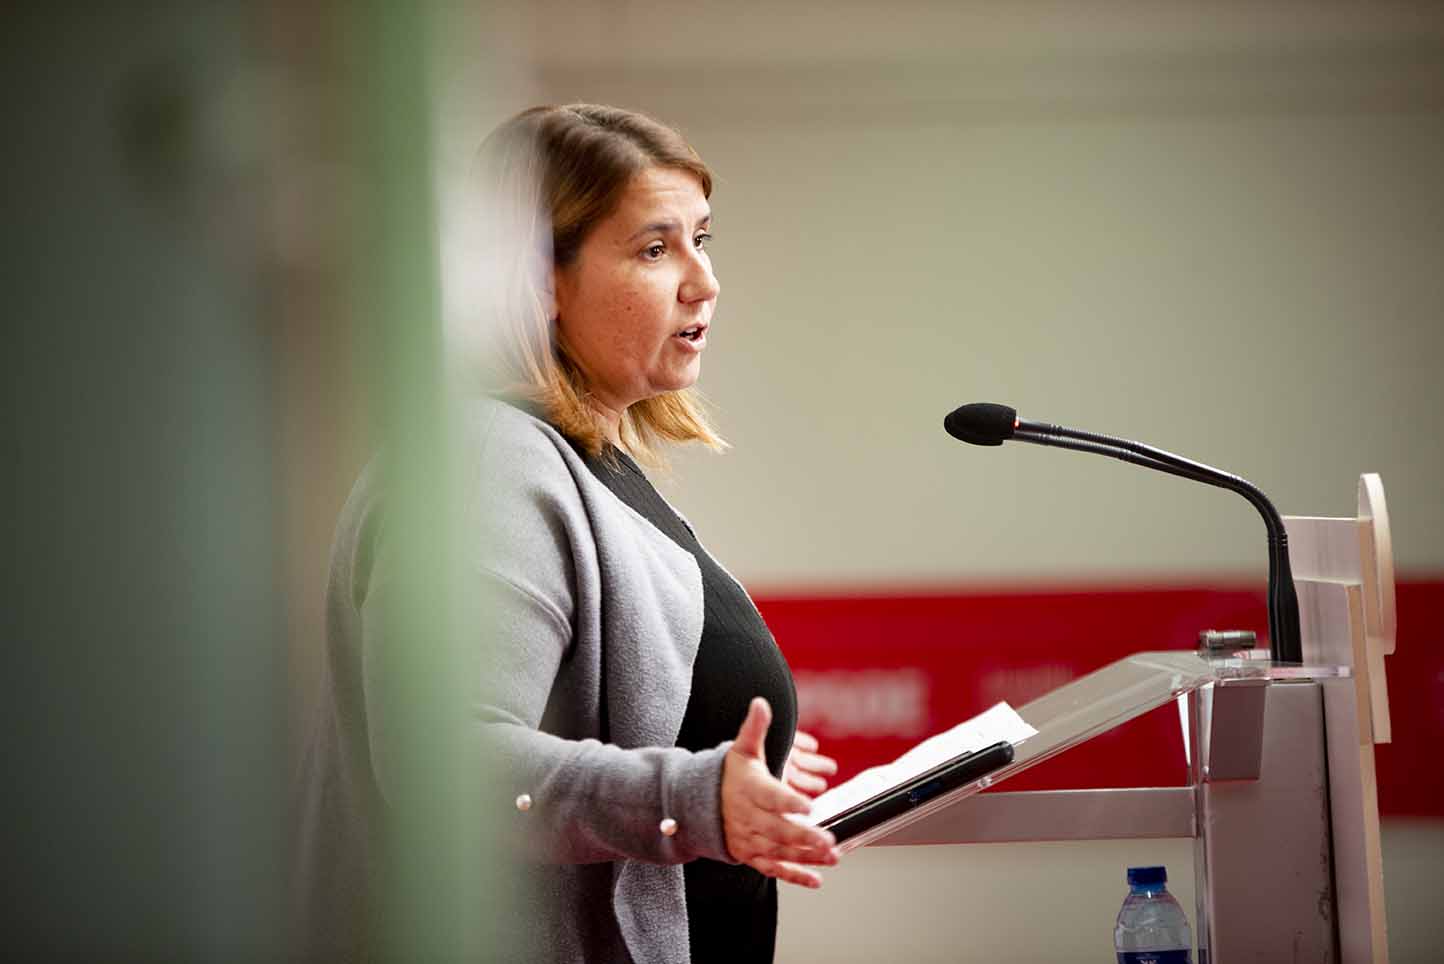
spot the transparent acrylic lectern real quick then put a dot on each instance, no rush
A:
(1282, 804)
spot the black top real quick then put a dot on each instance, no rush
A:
(731, 909)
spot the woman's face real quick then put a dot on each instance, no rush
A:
(634, 306)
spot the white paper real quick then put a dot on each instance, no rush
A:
(1001, 722)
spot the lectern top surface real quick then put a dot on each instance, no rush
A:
(1108, 698)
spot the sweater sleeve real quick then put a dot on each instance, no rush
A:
(556, 799)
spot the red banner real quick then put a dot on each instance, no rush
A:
(877, 673)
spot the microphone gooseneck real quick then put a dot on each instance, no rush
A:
(982, 423)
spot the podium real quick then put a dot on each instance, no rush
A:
(1281, 806)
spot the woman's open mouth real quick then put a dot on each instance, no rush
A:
(695, 336)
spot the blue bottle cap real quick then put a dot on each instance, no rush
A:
(1144, 876)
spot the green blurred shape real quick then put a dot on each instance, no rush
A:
(440, 896)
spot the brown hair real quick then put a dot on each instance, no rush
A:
(553, 174)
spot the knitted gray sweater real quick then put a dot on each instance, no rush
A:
(597, 617)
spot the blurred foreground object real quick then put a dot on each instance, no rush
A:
(169, 216)
(144, 676)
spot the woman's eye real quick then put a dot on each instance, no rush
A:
(701, 240)
(655, 250)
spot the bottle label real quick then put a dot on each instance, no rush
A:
(1153, 957)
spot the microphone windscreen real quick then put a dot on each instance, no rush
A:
(982, 423)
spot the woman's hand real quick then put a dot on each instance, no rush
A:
(807, 770)
(755, 807)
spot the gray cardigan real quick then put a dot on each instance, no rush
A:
(598, 617)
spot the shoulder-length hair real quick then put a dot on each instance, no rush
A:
(551, 175)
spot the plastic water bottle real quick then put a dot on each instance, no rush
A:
(1152, 928)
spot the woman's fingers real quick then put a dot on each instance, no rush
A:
(782, 832)
(753, 731)
(807, 770)
(803, 781)
(773, 796)
(802, 852)
(754, 816)
(785, 870)
(814, 762)
(769, 830)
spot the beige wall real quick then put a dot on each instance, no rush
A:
(1262, 293)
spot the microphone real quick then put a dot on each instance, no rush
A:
(988, 423)
(982, 423)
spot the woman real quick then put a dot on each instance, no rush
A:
(631, 694)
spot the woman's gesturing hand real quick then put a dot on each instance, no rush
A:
(807, 770)
(755, 807)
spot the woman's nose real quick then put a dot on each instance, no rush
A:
(700, 283)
